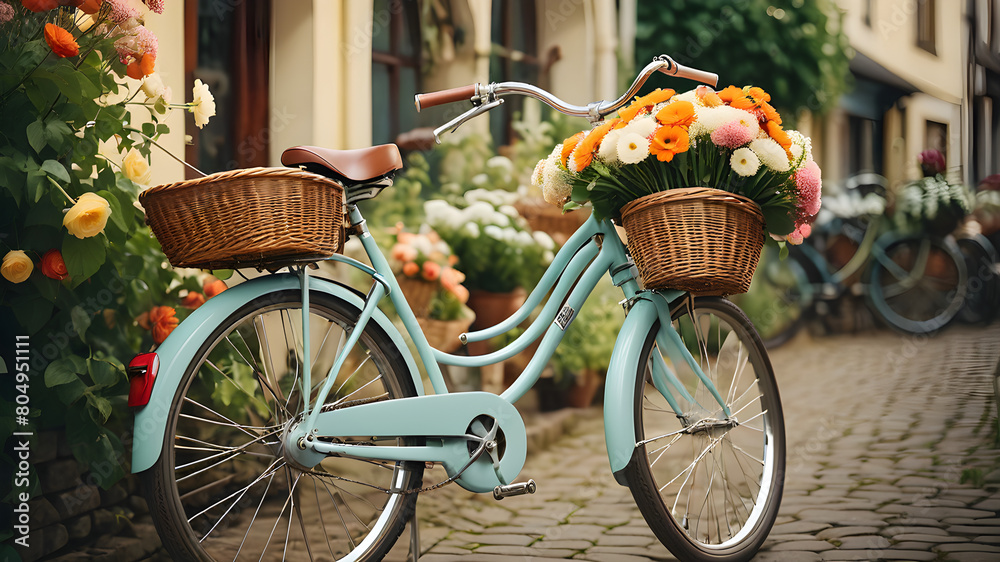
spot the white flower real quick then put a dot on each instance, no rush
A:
(153, 86)
(744, 162)
(480, 179)
(556, 187)
(501, 162)
(472, 229)
(543, 240)
(632, 148)
(536, 175)
(608, 151)
(548, 256)
(136, 168)
(523, 238)
(801, 147)
(499, 219)
(203, 104)
(642, 126)
(711, 118)
(509, 210)
(690, 96)
(493, 231)
(439, 212)
(771, 154)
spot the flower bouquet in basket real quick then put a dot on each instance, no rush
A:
(932, 203)
(697, 179)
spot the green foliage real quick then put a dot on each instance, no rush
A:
(793, 49)
(55, 114)
(590, 337)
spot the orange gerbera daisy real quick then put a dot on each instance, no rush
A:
(736, 97)
(680, 113)
(585, 150)
(770, 114)
(759, 95)
(61, 41)
(708, 96)
(648, 100)
(569, 144)
(668, 141)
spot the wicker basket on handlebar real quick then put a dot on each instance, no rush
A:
(256, 217)
(700, 240)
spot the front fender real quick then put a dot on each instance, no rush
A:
(619, 390)
(178, 350)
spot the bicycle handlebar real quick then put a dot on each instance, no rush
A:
(479, 94)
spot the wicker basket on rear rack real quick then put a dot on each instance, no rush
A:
(256, 217)
(701, 240)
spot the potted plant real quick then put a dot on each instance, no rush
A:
(498, 254)
(423, 263)
(582, 358)
(668, 162)
(932, 203)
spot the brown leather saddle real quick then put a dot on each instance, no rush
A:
(364, 172)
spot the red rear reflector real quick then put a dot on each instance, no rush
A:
(141, 374)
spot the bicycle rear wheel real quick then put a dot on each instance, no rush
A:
(983, 296)
(709, 487)
(779, 300)
(917, 285)
(223, 489)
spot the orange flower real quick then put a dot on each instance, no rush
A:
(39, 5)
(461, 293)
(770, 114)
(148, 64)
(668, 141)
(680, 113)
(708, 96)
(213, 288)
(193, 300)
(730, 93)
(53, 265)
(650, 99)
(410, 269)
(588, 146)
(431, 271)
(775, 131)
(61, 41)
(162, 321)
(569, 144)
(759, 95)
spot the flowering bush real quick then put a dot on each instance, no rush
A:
(426, 257)
(494, 247)
(730, 140)
(81, 274)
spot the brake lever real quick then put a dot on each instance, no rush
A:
(457, 122)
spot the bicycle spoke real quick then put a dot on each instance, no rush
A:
(322, 520)
(255, 513)
(256, 480)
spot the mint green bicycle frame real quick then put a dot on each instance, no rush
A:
(593, 251)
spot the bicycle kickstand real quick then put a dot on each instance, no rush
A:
(414, 537)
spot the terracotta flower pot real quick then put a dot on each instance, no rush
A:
(584, 389)
(493, 308)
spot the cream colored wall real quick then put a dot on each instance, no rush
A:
(585, 31)
(892, 42)
(169, 29)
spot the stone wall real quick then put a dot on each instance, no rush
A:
(74, 519)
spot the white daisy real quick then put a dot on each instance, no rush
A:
(744, 162)
(608, 151)
(632, 148)
(642, 126)
(556, 188)
(771, 154)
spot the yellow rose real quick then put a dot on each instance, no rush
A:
(136, 168)
(16, 266)
(88, 216)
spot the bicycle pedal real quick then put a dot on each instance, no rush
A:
(515, 489)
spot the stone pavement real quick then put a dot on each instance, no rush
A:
(891, 456)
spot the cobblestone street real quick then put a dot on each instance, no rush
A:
(890, 457)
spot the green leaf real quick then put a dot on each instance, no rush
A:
(222, 274)
(101, 404)
(783, 250)
(81, 321)
(777, 220)
(63, 371)
(36, 135)
(104, 374)
(56, 169)
(56, 132)
(32, 313)
(117, 216)
(83, 257)
(70, 392)
(36, 185)
(148, 129)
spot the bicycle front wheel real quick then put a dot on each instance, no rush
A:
(223, 488)
(918, 285)
(709, 485)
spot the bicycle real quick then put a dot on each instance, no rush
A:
(263, 428)
(914, 282)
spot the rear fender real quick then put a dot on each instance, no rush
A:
(178, 350)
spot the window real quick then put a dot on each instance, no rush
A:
(395, 68)
(926, 24)
(228, 47)
(514, 57)
(936, 138)
(864, 153)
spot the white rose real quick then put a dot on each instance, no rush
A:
(203, 104)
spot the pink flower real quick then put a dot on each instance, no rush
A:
(155, 5)
(6, 12)
(794, 238)
(808, 184)
(137, 42)
(732, 135)
(119, 11)
(931, 162)
(805, 230)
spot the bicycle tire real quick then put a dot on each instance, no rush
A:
(729, 344)
(780, 299)
(185, 484)
(983, 296)
(917, 285)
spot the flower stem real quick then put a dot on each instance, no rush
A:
(59, 187)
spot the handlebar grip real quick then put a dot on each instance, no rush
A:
(441, 97)
(710, 78)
